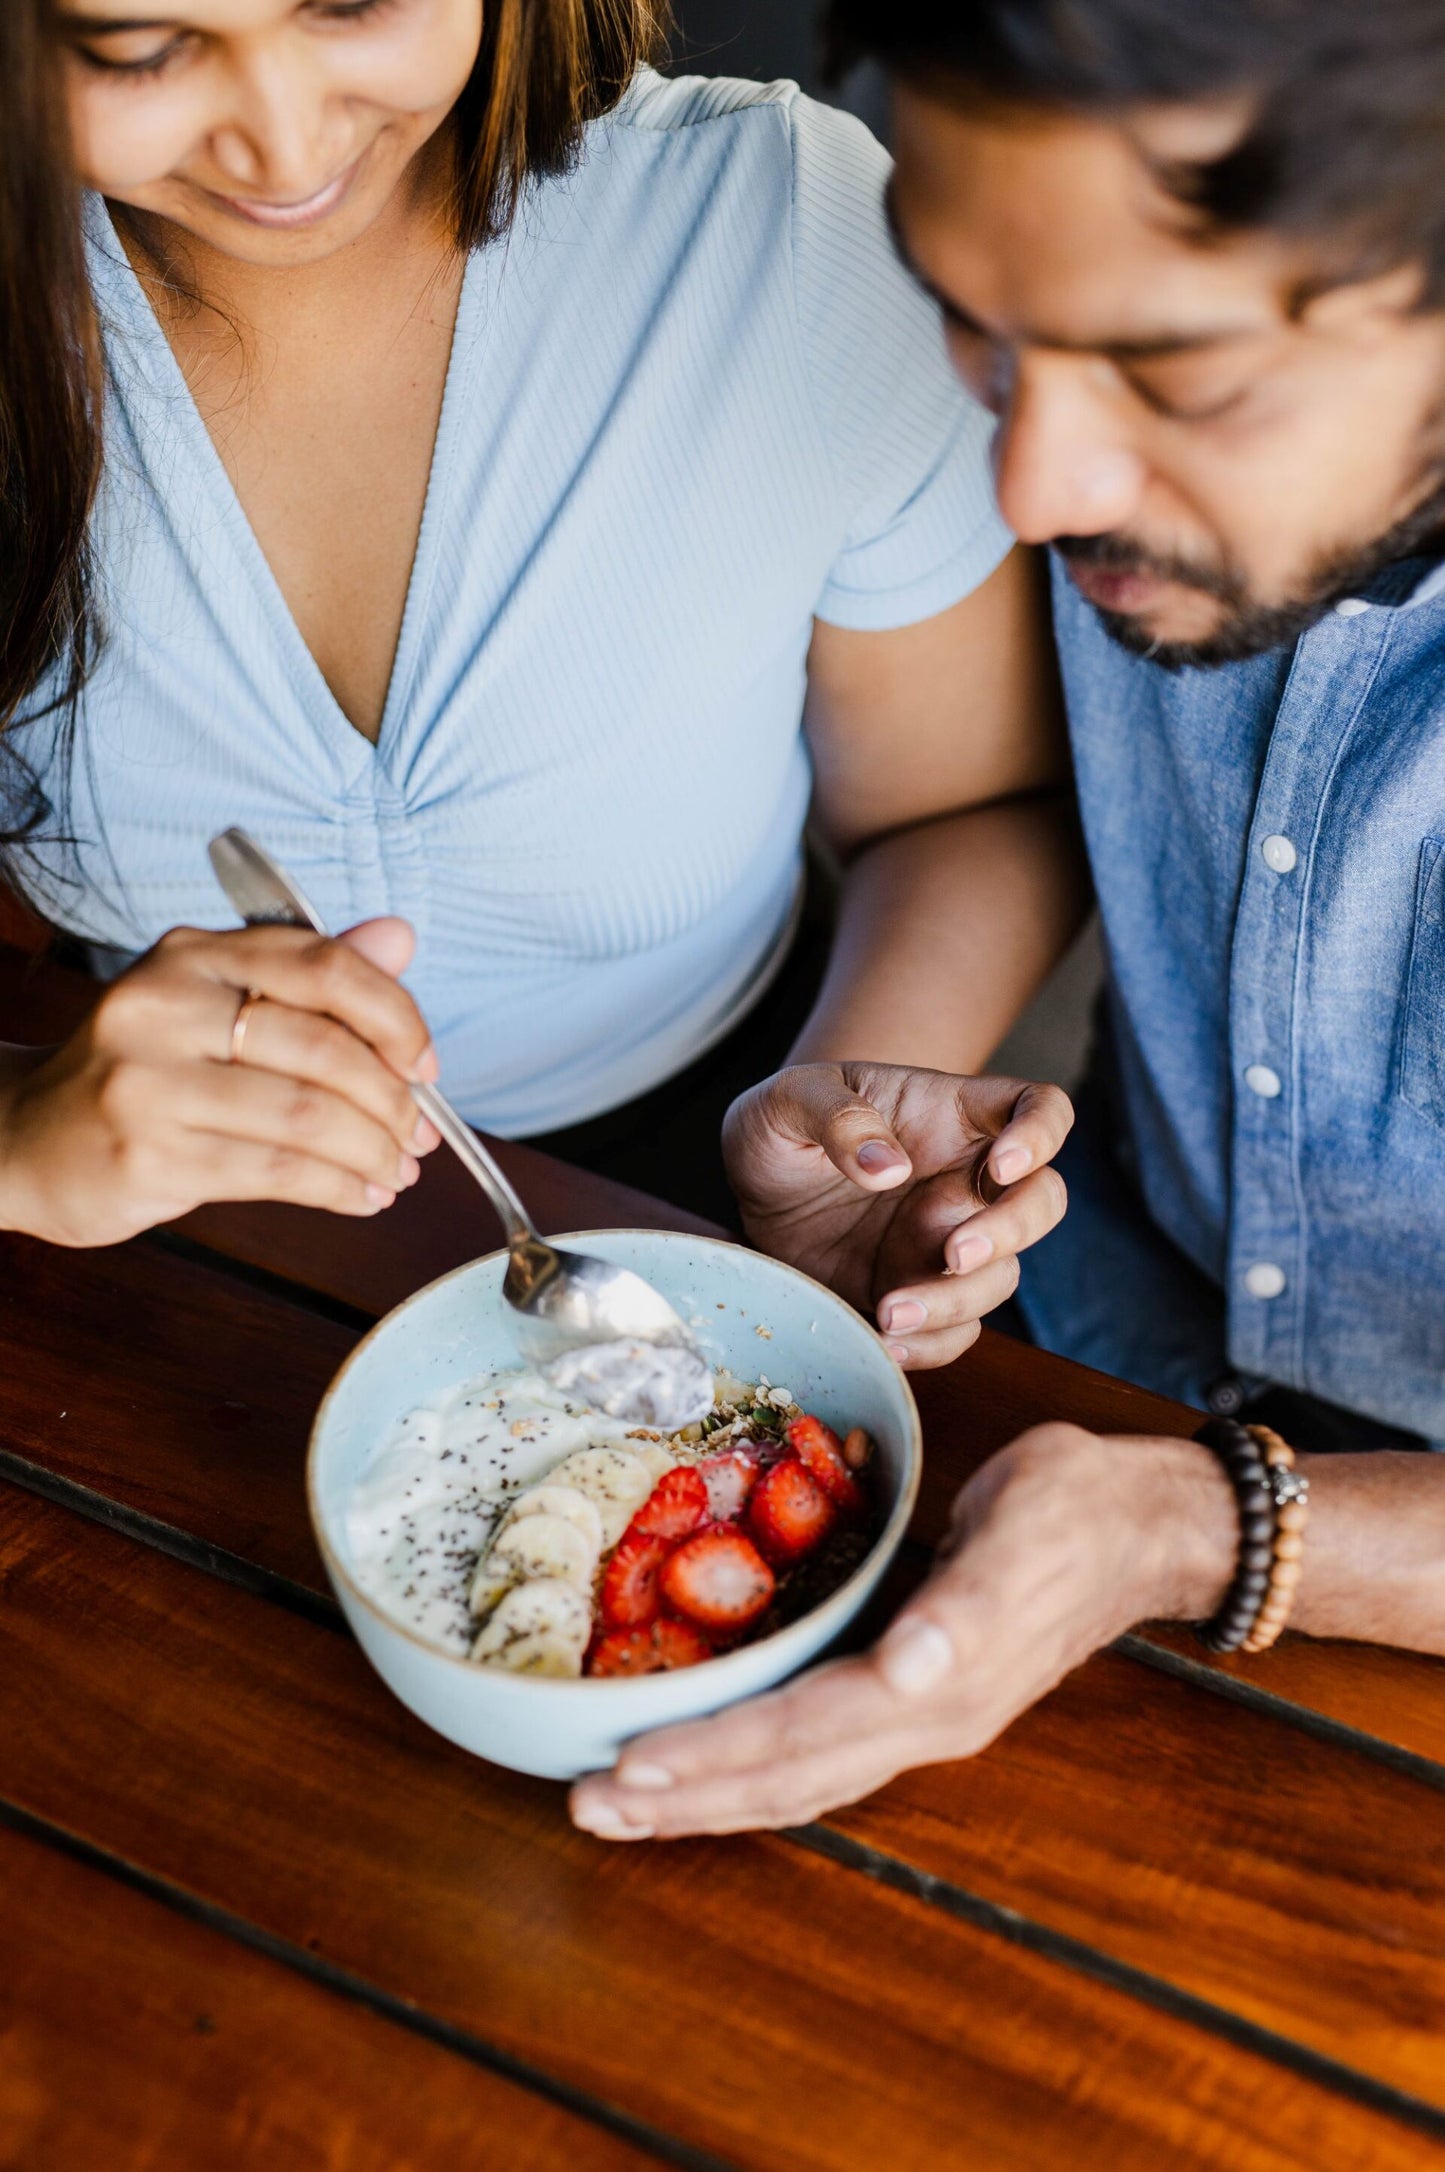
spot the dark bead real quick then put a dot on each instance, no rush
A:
(1256, 1528)
(1257, 1556)
(1255, 1499)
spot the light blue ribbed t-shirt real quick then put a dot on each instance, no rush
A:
(693, 402)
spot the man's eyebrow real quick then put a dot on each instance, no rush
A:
(1141, 347)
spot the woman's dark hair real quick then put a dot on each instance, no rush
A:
(49, 410)
(546, 68)
(1345, 136)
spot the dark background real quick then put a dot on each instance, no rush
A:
(767, 38)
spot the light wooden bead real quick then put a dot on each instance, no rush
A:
(1293, 1516)
(1286, 1575)
(1289, 1546)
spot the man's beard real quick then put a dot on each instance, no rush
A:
(1249, 628)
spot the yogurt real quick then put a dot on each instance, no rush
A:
(426, 1504)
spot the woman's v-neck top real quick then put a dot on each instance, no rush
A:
(693, 401)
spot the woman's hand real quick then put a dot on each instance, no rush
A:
(142, 1115)
(1058, 1544)
(909, 1192)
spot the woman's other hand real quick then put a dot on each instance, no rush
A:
(1062, 1541)
(142, 1114)
(911, 1193)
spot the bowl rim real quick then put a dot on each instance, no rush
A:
(620, 1687)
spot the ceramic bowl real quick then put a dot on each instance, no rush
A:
(752, 1315)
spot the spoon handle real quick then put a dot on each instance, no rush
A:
(481, 1163)
(265, 895)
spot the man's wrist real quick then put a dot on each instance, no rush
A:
(1188, 1530)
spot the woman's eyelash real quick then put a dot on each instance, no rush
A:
(154, 63)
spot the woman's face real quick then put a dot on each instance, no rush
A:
(274, 131)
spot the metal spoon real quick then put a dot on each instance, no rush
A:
(598, 1331)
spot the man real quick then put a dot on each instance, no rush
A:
(1195, 261)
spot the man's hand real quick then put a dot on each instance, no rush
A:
(1058, 1544)
(909, 1192)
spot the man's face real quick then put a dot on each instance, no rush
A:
(1216, 459)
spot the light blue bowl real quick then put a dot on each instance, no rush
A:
(753, 1315)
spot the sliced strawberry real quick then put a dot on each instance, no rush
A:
(718, 1579)
(655, 1650)
(789, 1513)
(729, 1479)
(676, 1505)
(819, 1450)
(629, 1598)
(679, 1643)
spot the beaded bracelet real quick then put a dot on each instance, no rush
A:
(1291, 1490)
(1272, 1498)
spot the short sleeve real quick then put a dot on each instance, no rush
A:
(909, 447)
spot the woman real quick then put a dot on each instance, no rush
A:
(450, 450)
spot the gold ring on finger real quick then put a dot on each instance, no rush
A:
(242, 1020)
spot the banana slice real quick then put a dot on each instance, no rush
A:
(567, 1502)
(538, 1628)
(543, 1652)
(545, 1546)
(491, 1582)
(613, 1478)
(657, 1459)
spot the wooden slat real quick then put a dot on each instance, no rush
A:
(130, 2036)
(169, 1387)
(747, 1996)
(1118, 1812)
(1260, 1869)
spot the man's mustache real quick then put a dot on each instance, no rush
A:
(1119, 554)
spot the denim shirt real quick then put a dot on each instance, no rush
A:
(1268, 846)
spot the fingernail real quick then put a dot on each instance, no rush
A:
(609, 1824)
(875, 1156)
(376, 1198)
(905, 1314)
(426, 1066)
(407, 1171)
(898, 1351)
(642, 1775)
(425, 1137)
(970, 1252)
(1011, 1163)
(915, 1657)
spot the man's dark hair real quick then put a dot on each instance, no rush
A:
(1346, 137)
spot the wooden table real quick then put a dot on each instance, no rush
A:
(254, 1914)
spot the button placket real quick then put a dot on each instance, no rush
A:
(1333, 668)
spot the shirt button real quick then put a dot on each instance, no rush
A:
(1279, 854)
(1262, 1081)
(1351, 607)
(1264, 1279)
